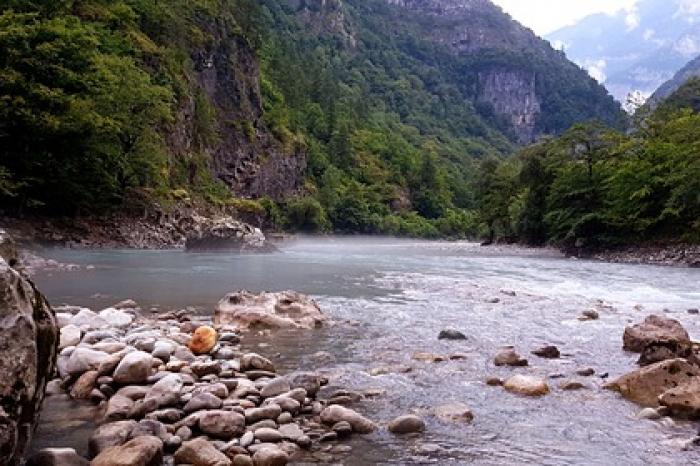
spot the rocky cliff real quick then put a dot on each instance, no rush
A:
(28, 346)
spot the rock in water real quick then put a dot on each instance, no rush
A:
(226, 233)
(28, 346)
(507, 356)
(547, 352)
(654, 329)
(450, 334)
(203, 340)
(57, 457)
(644, 386)
(286, 309)
(526, 385)
(454, 412)
(406, 424)
(683, 400)
(336, 413)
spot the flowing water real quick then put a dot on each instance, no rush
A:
(390, 299)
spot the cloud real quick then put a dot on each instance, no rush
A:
(687, 46)
(688, 7)
(632, 19)
(649, 34)
(596, 68)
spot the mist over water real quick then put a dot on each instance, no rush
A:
(392, 297)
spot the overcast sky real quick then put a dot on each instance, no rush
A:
(545, 16)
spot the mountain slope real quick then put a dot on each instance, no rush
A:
(689, 71)
(635, 49)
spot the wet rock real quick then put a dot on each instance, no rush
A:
(307, 380)
(406, 424)
(450, 334)
(57, 457)
(110, 435)
(247, 439)
(662, 350)
(694, 311)
(253, 361)
(141, 451)
(270, 456)
(428, 357)
(135, 368)
(571, 385)
(150, 427)
(118, 407)
(70, 336)
(547, 352)
(342, 429)
(203, 340)
(586, 372)
(163, 350)
(135, 392)
(199, 452)
(336, 413)
(222, 424)
(242, 460)
(201, 369)
(454, 412)
(126, 304)
(83, 386)
(275, 387)
(268, 434)
(589, 314)
(219, 390)
(202, 401)
(271, 411)
(507, 356)
(650, 414)
(644, 386)
(286, 309)
(683, 400)
(166, 392)
(291, 432)
(654, 329)
(494, 382)
(526, 385)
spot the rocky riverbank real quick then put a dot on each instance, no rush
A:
(678, 255)
(175, 388)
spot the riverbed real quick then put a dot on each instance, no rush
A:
(390, 299)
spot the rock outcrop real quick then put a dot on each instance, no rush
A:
(225, 233)
(654, 329)
(28, 347)
(287, 309)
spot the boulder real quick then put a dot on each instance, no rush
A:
(166, 392)
(70, 336)
(222, 424)
(28, 347)
(118, 407)
(116, 318)
(253, 361)
(336, 413)
(135, 367)
(644, 386)
(451, 335)
(454, 412)
(267, 434)
(270, 456)
(83, 386)
(57, 457)
(207, 234)
(406, 424)
(141, 451)
(526, 385)
(547, 352)
(654, 329)
(88, 319)
(275, 387)
(683, 400)
(85, 359)
(203, 340)
(200, 452)
(202, 401)
(286, 309)
(507, 356)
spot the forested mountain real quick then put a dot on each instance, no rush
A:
(636, 49)
(688, 72)
(353, 115)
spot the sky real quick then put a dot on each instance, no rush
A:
(545, 16)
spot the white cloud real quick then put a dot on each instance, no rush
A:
(632, 19)
(687, 46)
(689, 7)
(649, 34)
(596, 68)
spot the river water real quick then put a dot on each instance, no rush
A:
(391, 298)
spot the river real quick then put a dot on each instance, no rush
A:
(391, 298)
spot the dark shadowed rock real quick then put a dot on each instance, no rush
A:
(451, 335)
(547, 352)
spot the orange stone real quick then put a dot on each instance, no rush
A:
(203, 340)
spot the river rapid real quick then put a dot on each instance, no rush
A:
(390, 299)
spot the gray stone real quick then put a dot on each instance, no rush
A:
(70, 336)
(336, 413)
(275, 387)
(203, 401)
(253, 361)
(85, 359)
(135, 367)
(406, 424)
(267, 434)
(57, 457)
(221, 424)
(109, 435)
(141, 451)
(199, 452)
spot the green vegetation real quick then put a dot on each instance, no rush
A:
(595, 187)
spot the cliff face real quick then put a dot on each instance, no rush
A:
(223, 118)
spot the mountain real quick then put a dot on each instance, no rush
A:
(688, 72)
(636, 49)
(356, 115)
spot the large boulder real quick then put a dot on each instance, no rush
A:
(683, 400)
(654, 329)
(141, 451)
(526, 385)
(286, 309)
(207, 234)
(28, 347)
(644, 386)
(336, 413)
(200, 452)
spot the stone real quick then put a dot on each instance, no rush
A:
(654, 329)
(644, 386)
(307, 380)
(268, 434)
(116, 318)
(242, 460)
(507, 356)
(428, 357)
(271, 411)
(126, 304)
(275, 387)
(451, 335)
(494, 382)
(166, 392)
(406, 424)
(253, 361)
(163, 350)
(202, 401)
(135, 392)
(270, 456)
(203, 340)
(694, 311)
(141, 451)
(683, 400)
(526, 385)
(134, 368)
(571, 385)
(287, 309)
(110, 435)
(83, 386)
(585, 372)
(222, 424)
(118, 407)
(291, 432)
(336, 413)
(342, 428)
(88, 319)
(70, 336)
(202, 369)
(200, 452)
(84, 359)
(547, 352)
(29, 338)
(650, 414)
(589, 314)
(57, 457)
(658, 351)
(454, 412)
